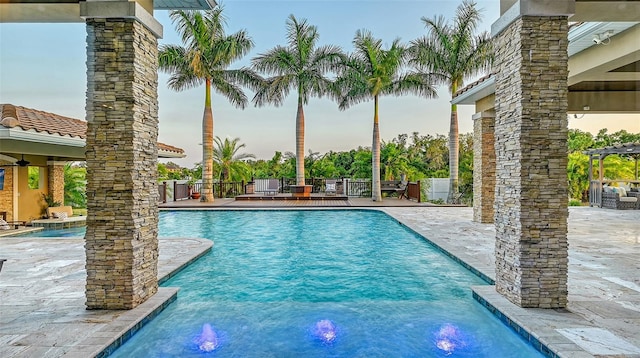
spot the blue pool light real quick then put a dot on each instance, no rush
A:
(449, 338)
(207, 341)
(325, 330)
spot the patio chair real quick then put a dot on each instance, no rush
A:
(330, 187)
(273, 186)
(617, 198)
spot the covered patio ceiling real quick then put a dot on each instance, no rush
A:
(33, 11)
(603, 78)
(592, 10)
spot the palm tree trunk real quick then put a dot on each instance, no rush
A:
(300, 143)
(206, 194)
(376, 193)
(453, 154)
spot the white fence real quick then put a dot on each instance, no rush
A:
(436, 188)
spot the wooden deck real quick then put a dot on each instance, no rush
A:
(286, 200)
(287, 196)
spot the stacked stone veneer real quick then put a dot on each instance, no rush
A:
(6, 194)
(484, 167)
(531, 159)
(122, 194)
(56, 182)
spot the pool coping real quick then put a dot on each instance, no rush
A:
(114, 334)
(541, 334)
(526, 322)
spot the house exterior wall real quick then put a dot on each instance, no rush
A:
(486, 104)
(31, 206)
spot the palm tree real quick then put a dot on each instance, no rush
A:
(300, 65)
(207, 54)
(367, 74)
(452, 53)
(232, 165)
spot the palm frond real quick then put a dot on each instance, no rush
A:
(223, 84)
(274, 91)
(277, 61)
(302, 38)
(246, 77)
(299, 65)
(413, 83)
(172, 58)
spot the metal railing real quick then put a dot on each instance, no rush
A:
(228, 189)
(595, 193)
(345, 186)
(162, 190)
(181, 191)
(413, 191)
(357, 187)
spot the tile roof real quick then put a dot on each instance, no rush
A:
(33, 120)
(472, 84)
(39, 121)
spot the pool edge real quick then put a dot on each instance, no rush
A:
(171, 273)
(505, 311)
(129, 322)
(543, 337)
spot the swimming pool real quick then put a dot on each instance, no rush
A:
(68, 232)
(317, 284)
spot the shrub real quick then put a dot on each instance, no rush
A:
(575, 202)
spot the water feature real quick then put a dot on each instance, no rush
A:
(318, 284)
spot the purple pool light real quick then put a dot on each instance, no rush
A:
(325, 330)
(449, 338)
(207, 341)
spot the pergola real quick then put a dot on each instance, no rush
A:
(595, 185)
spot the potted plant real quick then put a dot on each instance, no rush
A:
(49, 202)
(194, 194)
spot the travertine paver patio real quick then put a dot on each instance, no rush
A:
(42, 301)
(42, 285)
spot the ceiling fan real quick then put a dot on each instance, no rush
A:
(19, 163)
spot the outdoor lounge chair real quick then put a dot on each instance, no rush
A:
(617, 198)
(273, 186)
(330, 187)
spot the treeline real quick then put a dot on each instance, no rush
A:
(413, 156)
(615, 166)
(416, 156)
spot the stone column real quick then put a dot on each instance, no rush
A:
(122, 154)
(8, 196)
(56, 180)
(531, 156)
(484, 166)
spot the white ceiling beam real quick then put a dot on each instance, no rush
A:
(606, 11)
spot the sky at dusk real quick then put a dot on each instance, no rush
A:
(43, 66)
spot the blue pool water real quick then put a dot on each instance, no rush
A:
(318, 284)
(69, 232)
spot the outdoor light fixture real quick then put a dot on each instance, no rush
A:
(584, 108)
(603, 38)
